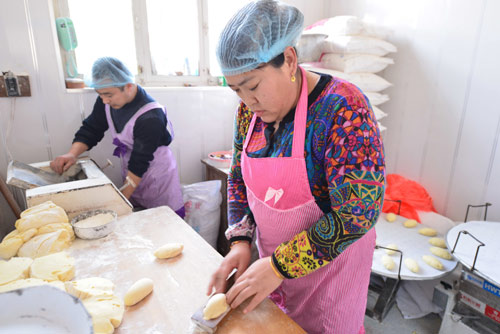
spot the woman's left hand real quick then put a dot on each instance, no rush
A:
(259, 280)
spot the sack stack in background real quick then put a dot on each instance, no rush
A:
(348, 48)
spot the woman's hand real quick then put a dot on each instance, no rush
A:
(239, 258)
(63, 162)
(258, 281)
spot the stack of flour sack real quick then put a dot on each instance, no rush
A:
(349, 48)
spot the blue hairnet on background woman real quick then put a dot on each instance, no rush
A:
(307, 177)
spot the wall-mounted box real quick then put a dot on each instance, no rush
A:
(23, 82)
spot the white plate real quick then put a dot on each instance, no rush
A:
(43, 310)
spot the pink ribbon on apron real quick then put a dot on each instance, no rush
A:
(333, 298)
(160, 185)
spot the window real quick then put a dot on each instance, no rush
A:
(163, 42)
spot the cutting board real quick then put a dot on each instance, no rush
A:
(126, 255)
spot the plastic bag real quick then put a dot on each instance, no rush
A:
(202, 203)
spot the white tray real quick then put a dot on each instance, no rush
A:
(488, 259)
(412, 244)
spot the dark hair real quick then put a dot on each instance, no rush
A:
(278, 61)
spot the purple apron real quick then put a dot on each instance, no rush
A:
(160, 184)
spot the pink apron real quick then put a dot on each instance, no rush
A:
(333, 298)
(160, 184)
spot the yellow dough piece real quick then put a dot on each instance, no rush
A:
(88, 287)
(410, 223)
(14, 269)
(38, 208)
(215, 307)
(390, 217)
(390, 251)
(10, 247)
(45, 244)
(428, 232)
(49, 228)
(59, 266)
(438, 242)
(138, 291)
(105, 310)
(25, 283)
(433, 262)
(412, 265)
(442, 253)
(169, 250)
(388, 262)
(41, 217)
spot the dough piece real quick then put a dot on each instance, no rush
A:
(433, 262)
(53, 267)
(49, 228)
(410, 223)
(388, 262)
(215, 307)
(428, 232)
(88, 287)
(138, 291)
(13, 241)
(14, 269)
(412, 265)
(390, 217)
(25, 283)
(438, 242)
(390, 251)
(442, 253)
(45, 244)
(94, 221)
(106, 311)
(41, 217)
(169, 250)
(38, 208)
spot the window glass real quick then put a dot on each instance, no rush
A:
(103, 28)
(174, 37)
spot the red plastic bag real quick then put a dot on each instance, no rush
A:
(412, 195)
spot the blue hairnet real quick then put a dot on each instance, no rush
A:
(256, 34)
(110, 72)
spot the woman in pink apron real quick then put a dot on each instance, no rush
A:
(307, 177)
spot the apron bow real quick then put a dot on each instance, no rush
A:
(120, 149)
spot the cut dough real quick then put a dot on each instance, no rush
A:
(94, 221)
(388, 262)
(10, 247)
(39, 218)
(390, 251)
(105, 310)
(428, 232)
(25, 283)
(53, 267)
(390, 217)
(442, 253)
(45, 244)
(169, 250)
(410, 223)
(438, 242)
(138, 291)
(14, 269)
(215, 307)
(88, 287)
(412, 265)
(49, 228)
(433, 262)
(38, 208)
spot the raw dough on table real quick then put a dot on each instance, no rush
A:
(26, 283)
(412, 265)
(428, 232)
(391, 251)
(88, 287)
(410, 223)
(433, 262)
(40, 218)
(438, 242)
(13, 241)
(442, 253)
(390, 217)
(138, 291)
(106, 311)
(215, 307)
(14, 269)
(45, 244)
(388, 262)
(59, 266)
(169, 250)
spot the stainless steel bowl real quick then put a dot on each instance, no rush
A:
(94, 232)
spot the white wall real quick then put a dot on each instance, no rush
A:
(43, 125)
(443, 124)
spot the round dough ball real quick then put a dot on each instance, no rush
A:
(138, 291)
(433, 262)
(438, 242)
(169, 250)
(428, 232)
(410, 223)
(388, 262)
(390, 251)
(390, 217)
(412, 265)
(215, 307)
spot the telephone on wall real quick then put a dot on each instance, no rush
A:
(67, 38)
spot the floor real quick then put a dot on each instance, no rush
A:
(394, 323)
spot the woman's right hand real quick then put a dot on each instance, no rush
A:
(238, 257)
(63, 162)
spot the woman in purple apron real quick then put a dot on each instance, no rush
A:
(307, 177)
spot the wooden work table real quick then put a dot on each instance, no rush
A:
(126, 255)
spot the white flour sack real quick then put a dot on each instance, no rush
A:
(376, 98)
(357, 44)
(352, 63)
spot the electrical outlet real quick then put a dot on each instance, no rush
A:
(12, 85)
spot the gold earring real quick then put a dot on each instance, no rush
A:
(293, 78)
